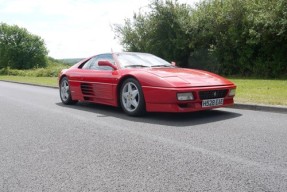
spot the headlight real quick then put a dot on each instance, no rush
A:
(232, 92)
(184, 96)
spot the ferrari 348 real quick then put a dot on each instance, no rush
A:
(140, 82)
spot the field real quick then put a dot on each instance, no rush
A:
(47, 81)
(272, 92)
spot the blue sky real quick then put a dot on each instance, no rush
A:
(72, 28)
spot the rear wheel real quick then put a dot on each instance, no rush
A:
(132, 98)
(65, 92)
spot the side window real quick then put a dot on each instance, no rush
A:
(89, 63)
(92, 64)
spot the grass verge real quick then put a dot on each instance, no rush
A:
(270, 92)
(47, 81)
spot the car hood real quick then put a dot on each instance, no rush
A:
(182, 77)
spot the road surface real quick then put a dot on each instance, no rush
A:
(46, 146)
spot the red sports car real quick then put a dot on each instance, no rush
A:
(140, 82)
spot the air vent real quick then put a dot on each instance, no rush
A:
(87, 89)
(212, 94)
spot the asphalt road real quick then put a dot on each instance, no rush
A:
(46, 146)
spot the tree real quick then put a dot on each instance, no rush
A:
(230, 37)
(20, 49)
(247, 37)
(162, 31)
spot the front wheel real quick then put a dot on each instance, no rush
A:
(65, 92)
(132, 98)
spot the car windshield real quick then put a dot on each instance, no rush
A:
(141, 60)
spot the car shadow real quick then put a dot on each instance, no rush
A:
(170, 119)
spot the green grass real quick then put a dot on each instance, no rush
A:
(48, 81)
(270, 92)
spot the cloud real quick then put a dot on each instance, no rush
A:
(71, 28)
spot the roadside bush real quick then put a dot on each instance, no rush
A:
(40, 72)
(231, 37)
(53, 69)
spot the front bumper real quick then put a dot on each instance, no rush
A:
(165, 99)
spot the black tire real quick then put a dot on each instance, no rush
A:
(65, 93)
(132, 98)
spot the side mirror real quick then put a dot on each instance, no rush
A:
(173, 63)
(107, 63)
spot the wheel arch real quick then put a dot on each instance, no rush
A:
(69, 99)
(61, 77)
(120, 83)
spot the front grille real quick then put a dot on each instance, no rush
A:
(212, 94)
(87, 89)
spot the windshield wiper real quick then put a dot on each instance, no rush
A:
(161, 66)
(135, 66)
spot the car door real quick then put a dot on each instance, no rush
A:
(99, 82)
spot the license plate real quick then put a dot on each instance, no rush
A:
(212, 102)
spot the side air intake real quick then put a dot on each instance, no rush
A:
(87, 89)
